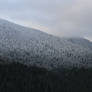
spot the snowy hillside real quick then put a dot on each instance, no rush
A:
(30, 46)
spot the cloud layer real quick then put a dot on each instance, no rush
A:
(58, 17)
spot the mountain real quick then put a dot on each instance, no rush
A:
(33, 47)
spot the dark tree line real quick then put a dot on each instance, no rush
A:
(17, 77)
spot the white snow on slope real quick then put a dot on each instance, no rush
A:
(31, 46)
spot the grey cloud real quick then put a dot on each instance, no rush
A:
(76, 19)
(60, 17)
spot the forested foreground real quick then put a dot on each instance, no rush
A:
(17, 77)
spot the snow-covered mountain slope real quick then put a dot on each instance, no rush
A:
(31, 46)
(81, 41)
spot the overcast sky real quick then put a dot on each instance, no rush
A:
(58, 17)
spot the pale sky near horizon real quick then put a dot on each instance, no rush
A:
(57, 17)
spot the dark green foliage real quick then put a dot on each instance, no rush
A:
(76, 79)
(20, 78)
(17, 77)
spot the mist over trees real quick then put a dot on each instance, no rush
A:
(33, 47)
